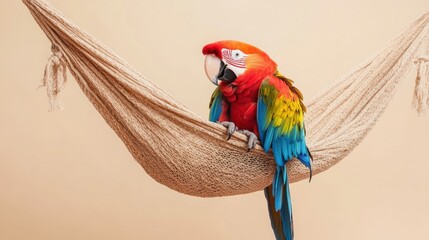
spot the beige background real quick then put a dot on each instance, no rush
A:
(65, 175)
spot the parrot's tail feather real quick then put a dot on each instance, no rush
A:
(278, 195)
(276, 221)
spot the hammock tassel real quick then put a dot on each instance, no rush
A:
(55, 78)
(421, 90)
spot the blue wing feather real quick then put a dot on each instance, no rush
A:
(261, 112)
(215, 106)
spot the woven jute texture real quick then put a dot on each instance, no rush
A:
(189, 154)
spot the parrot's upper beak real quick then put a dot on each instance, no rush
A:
(217, 70)
(211, 66)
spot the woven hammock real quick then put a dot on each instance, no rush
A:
(189, 154)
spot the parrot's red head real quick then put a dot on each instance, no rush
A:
(231, 61)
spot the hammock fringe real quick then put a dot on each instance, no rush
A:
(421, 91)
(189, 154)
(55, 78)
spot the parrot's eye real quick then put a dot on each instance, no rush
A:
(237, 54)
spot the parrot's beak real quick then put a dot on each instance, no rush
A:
(211, 66)
(217, 70)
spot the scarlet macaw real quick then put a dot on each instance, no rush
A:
(252, 97)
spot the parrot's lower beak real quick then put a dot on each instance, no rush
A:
(225, 74)
(217, 70)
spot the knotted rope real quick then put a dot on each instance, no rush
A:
(421, 91)
(55, 78)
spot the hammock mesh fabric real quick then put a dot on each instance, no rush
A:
(189, 154)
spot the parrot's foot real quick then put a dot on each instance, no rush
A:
(251, 139)
(230, 128)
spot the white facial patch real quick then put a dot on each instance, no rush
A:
(234, 58)
(237, 70)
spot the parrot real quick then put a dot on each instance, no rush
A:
(252, 97)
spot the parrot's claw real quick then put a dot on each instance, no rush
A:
(230, 128)
(251, 139)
